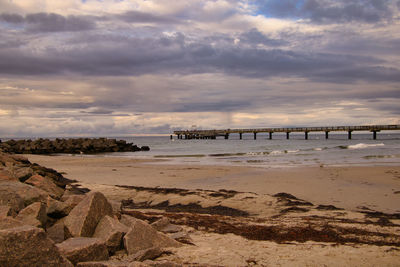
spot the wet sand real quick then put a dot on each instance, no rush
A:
(352, 187)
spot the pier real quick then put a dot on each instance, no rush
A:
(212, 134)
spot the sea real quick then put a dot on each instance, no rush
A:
(279, 152)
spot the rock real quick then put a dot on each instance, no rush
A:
(171, 228)
(55, 176)
(143, 236)
(104, 264)
(182, 237)
(46, 184)
(6, 176)
(29, 246)
(111, 231)
(70, 192)
(128, 220)
(10, 198)
(166, 263)
(5, 211)
(10, 222)
(23, 174)
(83, 219)
(76, 146)
(58, 232)
(163, 225)
(147, 254)
(72, 200)
(57, 209)
(81, 249)
(117, 207)
(34, 214)
(18, 195)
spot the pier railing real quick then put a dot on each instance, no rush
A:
(212, 134)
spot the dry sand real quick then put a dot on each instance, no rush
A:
(350, 187)
(221, 240)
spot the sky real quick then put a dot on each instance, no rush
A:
(122, 67)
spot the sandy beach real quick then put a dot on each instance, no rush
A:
(330, 216)
(351, 187)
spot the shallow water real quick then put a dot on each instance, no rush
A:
(278, 152)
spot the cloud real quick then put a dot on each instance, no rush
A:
(110, 68)
(178, 53)
(143, 17)
(49, 22)
(255, 37)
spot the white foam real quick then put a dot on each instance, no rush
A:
(276, 152)
(362, 146)
(317, 149)
(292, 151)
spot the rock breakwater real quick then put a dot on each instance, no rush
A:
(69, 146)
(74, 227)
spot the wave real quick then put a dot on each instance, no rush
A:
(381, 156)
(362, 146)
(276, 152)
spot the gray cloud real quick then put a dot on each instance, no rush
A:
(142, 17)
(12, 18)
(256, 37)
(173, 54)
(50, 22)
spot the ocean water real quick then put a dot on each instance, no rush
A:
(278, 152)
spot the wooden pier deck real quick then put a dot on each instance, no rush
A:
(212, 134)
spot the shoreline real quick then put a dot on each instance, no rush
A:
(374, 188)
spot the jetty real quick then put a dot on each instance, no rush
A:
(212, 134)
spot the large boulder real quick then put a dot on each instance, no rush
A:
(58, 232)
(81, 249)
(57, 209)
(10, 222)
(34, 214)
(143, 236)
(73, 200)
(6, 176)
(29, 246)
(22, 173)
(18, 195)
(46, 184)
(111, 231)
(147, 254)
(5, 211)
(83, 219)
